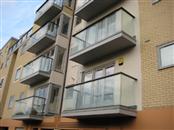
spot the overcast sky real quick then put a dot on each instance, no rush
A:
(16, 17)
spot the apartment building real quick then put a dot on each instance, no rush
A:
(120, 70)
(119, 74)
(36, 81)
(6, 65)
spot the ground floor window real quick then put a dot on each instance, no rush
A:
(19, 128)
(3, 128)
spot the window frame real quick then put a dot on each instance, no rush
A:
(160, 67)
(11, 102)
(95, 69)
(57, 59)
(62, 25)
(22, 95)
(68, 3)
(78, 21)
(19, 128)
(2, 82)
(18, 70)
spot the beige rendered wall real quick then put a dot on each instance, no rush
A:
(132, 62)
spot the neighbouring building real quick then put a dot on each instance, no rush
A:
(6, 66)
(33, 70)
(91, 65)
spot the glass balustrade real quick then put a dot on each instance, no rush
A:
(49, 29)
(48, 4)
(41, 64)
(30, 106)
(117, 22)
(115, 90)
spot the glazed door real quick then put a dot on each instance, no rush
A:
(86, 91)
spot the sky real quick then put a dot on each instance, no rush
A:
(16, 17)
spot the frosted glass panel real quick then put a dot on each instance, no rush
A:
(31, 106)
(46, 6)
(118, 89)
(40, 64)
(111, 25)
(119, 21)
(91, 35)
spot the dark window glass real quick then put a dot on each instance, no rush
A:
(65, 25)
(60, 57)
(78, 20)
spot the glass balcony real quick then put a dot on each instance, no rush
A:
(30, 108)
(48, 10)
(51, 93)
(21, 41)
(109, 35)
(84, 7)
(113, 96)
(36, 71)
(42, 38)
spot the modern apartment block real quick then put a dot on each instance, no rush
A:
(36, 76)
(120, 73)
(92, 65)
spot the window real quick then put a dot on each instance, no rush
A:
(69, 93)
(22, 95)
(65, 25)
(100, 91)
(1, 82)
(54, 95)
(11, 102)
(68, 2)
(19, 128)
(7, 62)
(78, 20)
(60, 59)
(54, 100)
(50, 53)
(166, 55)
(18, 72)
(4, 128)
(99, 72)
(110, 70)
(42, 92)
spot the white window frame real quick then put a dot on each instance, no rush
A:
(159, 55)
